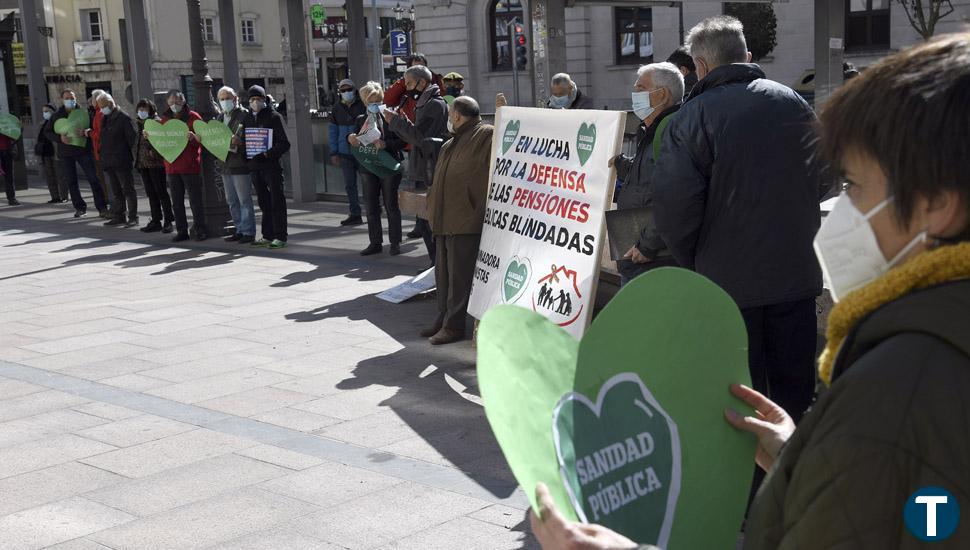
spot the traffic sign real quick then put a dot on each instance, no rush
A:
(399, 42)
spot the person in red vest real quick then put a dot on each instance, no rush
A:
(185, 174)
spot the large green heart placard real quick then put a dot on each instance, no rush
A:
(627, 427)
(10, 126)
(77, 120)
(585, 142)
(168, 139)
(215, 136)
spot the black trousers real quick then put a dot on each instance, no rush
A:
(56, 185)
(125, 199)
(6, 162)
(454, 272)
(158, 198)
(268, 182)
(180, 183)
(376, 188)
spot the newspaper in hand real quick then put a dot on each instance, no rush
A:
(371, 134)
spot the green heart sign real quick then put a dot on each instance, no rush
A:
(215, 136)
(76, 120)
(10, 126)
(627, 427)
(168, 139)
(585, 142)
(511, 131)
(516, 279)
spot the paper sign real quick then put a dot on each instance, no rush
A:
(258, 141)
(76, 120)
(550, 186)
(169, 139)
(10, 126)
(215, 136)
(626, 427)
(403, 292)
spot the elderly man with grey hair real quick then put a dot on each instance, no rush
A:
(424, 135)
(565, 94)
(656, 96)
(736, 195)
(117, 143)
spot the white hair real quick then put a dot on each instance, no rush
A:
(665, 75)
(718, 40)
(228, 90)
(370, 89)
(106, 97)
(419, 71)
(560, 79)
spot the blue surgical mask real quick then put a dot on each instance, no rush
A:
(559, 101)
(70, 104)
(227, 105)
(347, 96)
(105, 111)
(48, 115)
(143, 115)
(176, 108)
(641, 104)
(374, 108)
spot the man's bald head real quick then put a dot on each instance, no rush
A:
(463, 109)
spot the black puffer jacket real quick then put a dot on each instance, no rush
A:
(118, 141)
(736, 195)
(894, 420)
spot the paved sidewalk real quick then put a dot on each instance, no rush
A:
(209, 395)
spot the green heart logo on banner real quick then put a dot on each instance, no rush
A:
(690, 344)
(168, 139)
(622, 449)
(585, 141)
(10, 126)
(76, 120)
(511, 131)
(516, 279)
(215, 136)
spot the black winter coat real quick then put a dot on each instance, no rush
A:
(430, 121)
(118, 141)
(237, 163)
(736, 194)
(269, 118)
(46, 138)
(392, 143)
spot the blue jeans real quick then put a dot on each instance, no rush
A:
(348, 165)
(90, 172)
(239, 195)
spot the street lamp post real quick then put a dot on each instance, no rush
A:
(333, 33)
(406, 24)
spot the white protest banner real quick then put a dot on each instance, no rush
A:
(549, 190)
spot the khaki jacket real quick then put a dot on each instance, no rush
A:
(456, 200)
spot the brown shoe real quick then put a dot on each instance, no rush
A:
(446, 336)
(429, 332)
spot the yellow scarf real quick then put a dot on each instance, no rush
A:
(947, 263)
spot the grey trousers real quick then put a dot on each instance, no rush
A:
(454, 270)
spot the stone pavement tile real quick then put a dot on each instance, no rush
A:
(17, 355)
(385, 516)
(169, 326)
(191, 352)
(36, 403)
(321, 384)
(67, 359)
(267, 306)
(77, 329)
(15, 388)
(457, 446)
(68, 297)
(281, 457)
(43, 425)
(50, 484)
(351, 404)
(275, 539)
(135, 382)
(206, 523)
(13, 340)
(375, 430)
(78, 544)
(187, 337)
(162, 312)
(13, 316)
(170, 452)
(50, 451)
(106, 411)
(259, 400)
(57, 522)
(186, 484)
(219, 385)
(296, 419)
(135, 430)
(208, 366)
(78, 344)
(52, 316)
(109, 368)
(472, 534)
(504, 516)
(330, 484)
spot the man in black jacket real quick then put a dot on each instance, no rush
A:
(343, 122)
(656, 96)
(118, 140)
(736, 197)
(72, 155)
(236, 176)
(267, 172)
(430, 121)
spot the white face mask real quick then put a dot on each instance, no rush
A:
(176, 108)
(451, 126)
(48, 115)
(227, 105)
(848, 251)
(641, 104)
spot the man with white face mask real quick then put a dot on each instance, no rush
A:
(655, 98)
(235, 171)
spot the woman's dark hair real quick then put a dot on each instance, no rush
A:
(66, 91)
(149, 104)
(420, 57)
(910, 112)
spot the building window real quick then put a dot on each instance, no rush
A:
(502, 12)
(634, 35)
(209, 28)
(91, 25)
(18, 29)
(867, 25)
(248, 31)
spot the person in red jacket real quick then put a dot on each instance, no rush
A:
(185, 174)
(396, 95)
(94, 134)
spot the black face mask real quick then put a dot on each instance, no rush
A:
(414, 94)
(453, 91)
